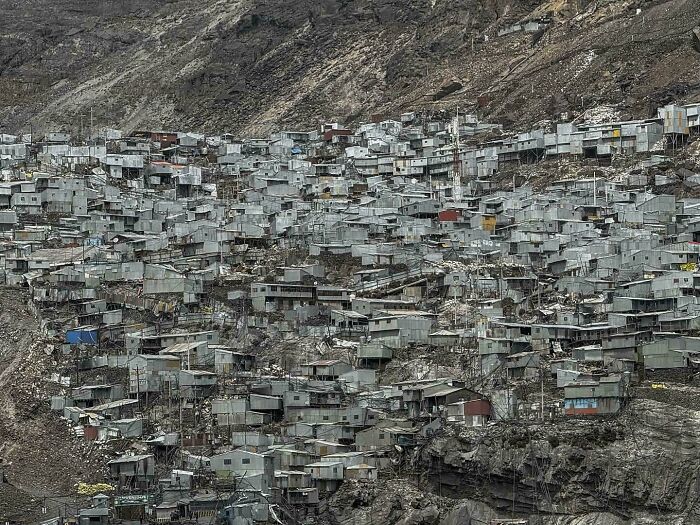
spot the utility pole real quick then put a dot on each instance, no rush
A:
(182, 439)
(77, 367)
(138, 386)
(455, 306)
(595, 190)
(541, 392)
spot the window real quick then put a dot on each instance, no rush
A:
(335, 470)
(325, 418)
(381, 436)
(227, 462)
(296, 398)
(356, 417)
(245, 461)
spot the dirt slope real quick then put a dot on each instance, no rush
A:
(257, 65)
(42, 460)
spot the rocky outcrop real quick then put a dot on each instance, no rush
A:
(638, 469)
(642, 464)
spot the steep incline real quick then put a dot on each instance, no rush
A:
(257, 65)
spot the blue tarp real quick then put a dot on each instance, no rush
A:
(87, 336)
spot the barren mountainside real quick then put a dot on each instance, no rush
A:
(252, 66)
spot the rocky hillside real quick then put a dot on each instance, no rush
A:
(256, 65)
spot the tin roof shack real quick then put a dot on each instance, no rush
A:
(562, 364)
(133, 472)
(494, 350)
(588, 353)
(125, 428)
(362, 472)
(669, 352)
(272, 405)
(356, 417)
(230, 362)
(327, 476)
(295, 488)
(606, 396)
(288, 458)
(369, 307)
(323, 447)
(196, 384)
(349, 324)
(152, 343)
(274, 297)
(340, 432)
(324, 370)
(292, 479)
(623, 346)
(358, 380)
(149, 373)
(202, 505)
(398, 329)
(524, 365)
(433, 398)
(232, 412)
(311, 397)
(252, 440)
(381, 437)
(166, 512)
(116, 410)
(87, 396)
(93, 516)
(249, 470)
(192, 354)
(245, 513)
(444, 339)
(475, 413)
(373, 354)
(177, 485)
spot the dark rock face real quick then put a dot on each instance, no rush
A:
(254, 65)
(639, 469)
(645, 463)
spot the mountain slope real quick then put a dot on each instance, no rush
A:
(254, 65)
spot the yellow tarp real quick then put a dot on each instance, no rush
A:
(86, 489)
